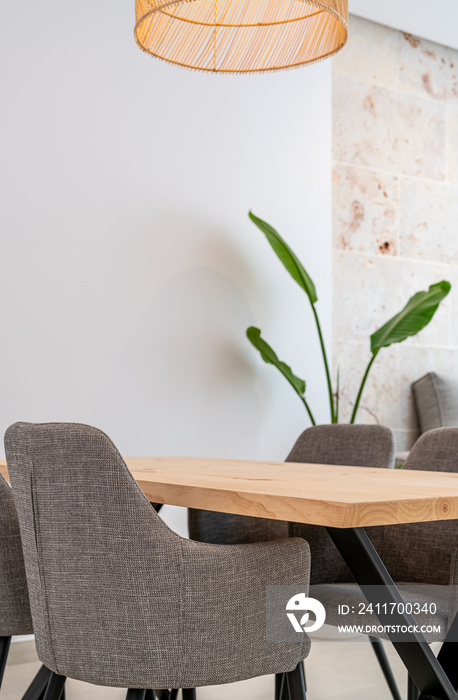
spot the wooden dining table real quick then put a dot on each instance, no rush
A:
(342, 499)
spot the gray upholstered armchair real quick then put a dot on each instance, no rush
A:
(435, 398)
(414, 553)
(14, 600)
(354, 445)
(15, 615)
(117, 598)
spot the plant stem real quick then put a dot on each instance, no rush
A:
(308, 409)
(361, 388)
(326, 366)
(337, 393)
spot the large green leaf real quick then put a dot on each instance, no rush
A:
(269, 356)
(287, 257)
(415, 315)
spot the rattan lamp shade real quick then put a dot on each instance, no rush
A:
(241, 36)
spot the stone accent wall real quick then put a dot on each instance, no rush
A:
(395, 212)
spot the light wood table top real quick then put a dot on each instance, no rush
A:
(334, 496)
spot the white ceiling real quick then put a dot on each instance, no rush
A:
(435, 20)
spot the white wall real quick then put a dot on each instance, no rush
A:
(129, 268)
(436, 21)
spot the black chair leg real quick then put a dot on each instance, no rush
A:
(188, 693)
(281, 687)
(4, 649)
(136, 694)
(296, 683)
(150, 694)
(377, 646)
(412, 690)
(165, 694)
(55, 686)
(37, 688)
(303, 676)
(278, 685)
(284, 692)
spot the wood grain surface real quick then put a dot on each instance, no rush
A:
(310, 493)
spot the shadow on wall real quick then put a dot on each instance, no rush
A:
(182, 381)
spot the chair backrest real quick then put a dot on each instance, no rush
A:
(358, 445)
(103, 570)
(436, 401)
(349, 445)
(14, 598)
(422, 552)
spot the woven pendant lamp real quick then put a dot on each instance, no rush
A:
(241, 36)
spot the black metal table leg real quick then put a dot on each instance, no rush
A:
(368, 569)
(448, 653)
(377, 646)
(412, 690)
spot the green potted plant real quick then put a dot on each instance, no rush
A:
(415, 315)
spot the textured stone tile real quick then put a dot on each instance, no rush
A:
(405, 439)
(452, 144)
(365, 210)
(438, 333)
(365, 293)
(369, 290)
(427, 69)
(395, 130)
(379, 402)
(428, 221)
(452, 276)
(371, 54)
(387, 130)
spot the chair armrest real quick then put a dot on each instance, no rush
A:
(327, 565)
(224, 606)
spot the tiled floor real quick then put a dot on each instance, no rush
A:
(337, 670)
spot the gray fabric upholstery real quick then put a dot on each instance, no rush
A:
(436, 401)
(14, 599)
(350, 445)
(417, 553)
(328, 444)
(423, 552)
(226, 528)
(334, 594)
(119, 599)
